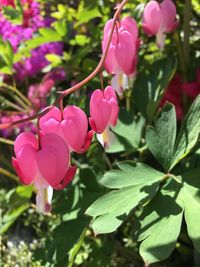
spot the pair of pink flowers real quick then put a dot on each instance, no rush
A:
(46, 162)
(159, 19)
(122, 56)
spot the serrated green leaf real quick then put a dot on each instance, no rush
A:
(189, 133)
(161, 138)
(130, 174)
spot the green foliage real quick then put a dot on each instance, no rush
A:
(14, 14)
(189, 133)
(145, 189)
(150, 85)
(135, 187)
(128, 132)
(6, 57)
(160, 140)
(19, 202)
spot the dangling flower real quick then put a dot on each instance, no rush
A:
(121, 59)
(104, 113)
(159, 19)
(71, 126)
(46, 165)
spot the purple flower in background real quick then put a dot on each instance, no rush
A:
(17, 34)
(32, 65)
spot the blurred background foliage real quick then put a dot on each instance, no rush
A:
(63, 237)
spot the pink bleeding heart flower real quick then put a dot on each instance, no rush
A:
(46, 165)
(104, 113)
(159, 19)
(71, 126)
(122, 57)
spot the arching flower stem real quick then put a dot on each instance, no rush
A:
(77, 86)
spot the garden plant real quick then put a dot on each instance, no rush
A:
(100, 133)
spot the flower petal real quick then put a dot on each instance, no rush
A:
(25, 139)
(54, 113)
(130, 25)
(25, 164)
(53, 159)
(100, 110)
(74, 126)
(125, 53)
(67, 179)
(152, 18)
(168, 10)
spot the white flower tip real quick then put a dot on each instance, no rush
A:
(106, 139)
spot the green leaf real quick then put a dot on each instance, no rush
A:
(150, 85)
(190, 197)
(160, 225)
(19, 200)
(105, 224)
(54, 59)
(47, 35)
(128, 132)
(80, 39)
(110, 210)
(60, 27)
(14, 15)
(89, 179)
(189, 133)
(6, 57)
(160, 139)
(85, 14)
(64, 237)
(130, 174)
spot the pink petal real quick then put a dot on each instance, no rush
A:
(152, 17)
(125, 52)
(74, 126)
(109, 93)
(67, 179)
(25, 164)
(25, 139)
(54, 113)
(53, 158)
(47, 164)
(130, 25)
(88, 140)
(168, 11)
(110, 63)
(93, 125)
(52, 126)
(107, 27)
(111, 96)
(100, 110)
